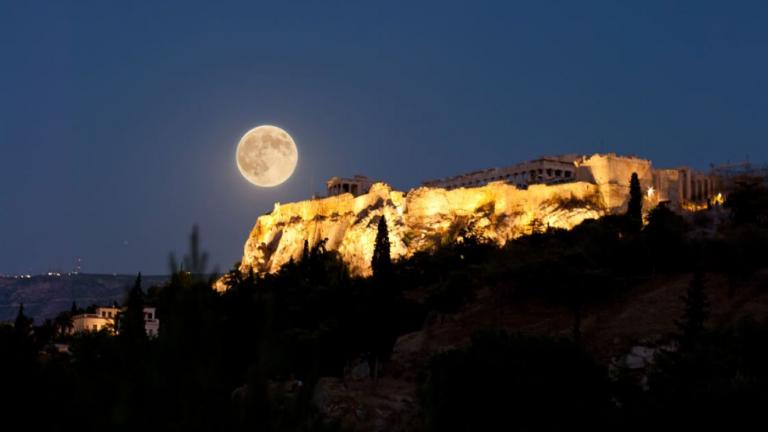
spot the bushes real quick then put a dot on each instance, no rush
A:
(514, 382)
(719, 383)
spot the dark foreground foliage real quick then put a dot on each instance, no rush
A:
(513, 382)
(248, 359)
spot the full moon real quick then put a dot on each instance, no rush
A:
(266, 156)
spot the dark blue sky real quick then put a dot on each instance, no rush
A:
(119, 120)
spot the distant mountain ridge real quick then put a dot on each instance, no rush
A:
(45, 296)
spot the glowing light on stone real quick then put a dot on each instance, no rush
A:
(420, 220)
(719, 199)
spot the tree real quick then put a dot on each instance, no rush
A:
(748, 202)
(381, 263)
(132, 320)
(22, 324)
(691, 325)
(196, 262)
(665, 233)
(664, 224)
(473, 388)
(635, 205)
(305, 253)
(382, 300)
(63, 323)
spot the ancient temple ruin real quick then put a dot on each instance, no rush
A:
(357, 185)
(499, 204)
(674, 185)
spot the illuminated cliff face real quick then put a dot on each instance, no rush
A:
(418, 221)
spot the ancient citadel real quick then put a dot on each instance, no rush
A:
(498, 203)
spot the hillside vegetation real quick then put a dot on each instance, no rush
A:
(613, 324)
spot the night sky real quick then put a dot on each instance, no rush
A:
(119, 120)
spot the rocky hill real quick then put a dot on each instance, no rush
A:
(420, 220)
(45, 296)
(619, 331)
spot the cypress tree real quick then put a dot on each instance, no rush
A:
(23, 324)
(132, 320)
(381, 263)
(382, 306)
(196, 262)
(635, 205)
(305, 253)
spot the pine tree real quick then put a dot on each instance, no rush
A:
(691, 325)
(381, 263)
(635, 205)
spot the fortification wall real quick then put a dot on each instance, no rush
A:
(612, 174)
(668, 184)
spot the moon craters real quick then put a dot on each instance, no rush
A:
(266, 156)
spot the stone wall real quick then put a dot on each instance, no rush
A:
(668, 185)
(612, 174)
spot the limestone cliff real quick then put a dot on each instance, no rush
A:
(420, 220)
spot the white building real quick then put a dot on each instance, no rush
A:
(106, 318)
(103, 319)
(151, 323)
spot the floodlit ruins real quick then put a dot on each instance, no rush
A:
(357, 185)
(499, 203)
(675, 185)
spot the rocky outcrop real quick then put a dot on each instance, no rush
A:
(364, 405)
(420, 220)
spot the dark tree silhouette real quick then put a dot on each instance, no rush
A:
(132, 320)
(665, 224)
(305, 253)
(635, 205)
(748, 202)
(382, 300)
(196, 262)
(472, 388)
(22, 324)
(63, 323)
(691, 325)
(665, 235)
(381, 263)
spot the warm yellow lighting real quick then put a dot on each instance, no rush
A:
(693, 206)
(651, 192)
(718, 199)
(420, 220)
